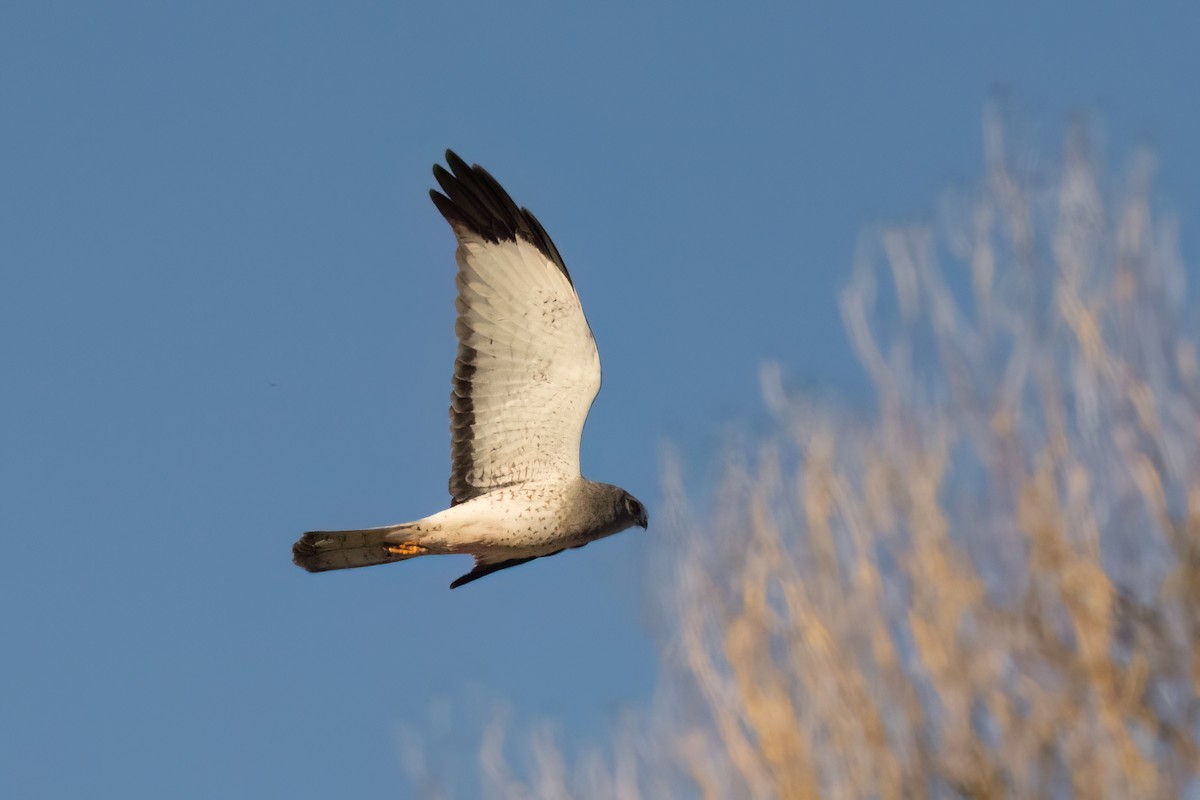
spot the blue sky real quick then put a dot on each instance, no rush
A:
(226, 317)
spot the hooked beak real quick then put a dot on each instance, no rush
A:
(642, 520)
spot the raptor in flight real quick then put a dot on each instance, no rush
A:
(526, 374)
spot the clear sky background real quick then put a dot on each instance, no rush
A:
(226, 317)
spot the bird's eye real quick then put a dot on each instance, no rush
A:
(632, 506)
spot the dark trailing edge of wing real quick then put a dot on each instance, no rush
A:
(462, 425)
(474, 200)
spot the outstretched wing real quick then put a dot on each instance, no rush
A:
(483, 567)
(527, 368)
(487, 568)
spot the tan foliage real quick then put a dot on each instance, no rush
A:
(990, 591)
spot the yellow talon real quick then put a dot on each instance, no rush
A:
(406, 549)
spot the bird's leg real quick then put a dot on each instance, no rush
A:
(406, 549)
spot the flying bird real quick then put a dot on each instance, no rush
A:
(525, 376)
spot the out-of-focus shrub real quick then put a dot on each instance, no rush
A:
(991, 589)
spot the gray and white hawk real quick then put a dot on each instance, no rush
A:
(526, 374)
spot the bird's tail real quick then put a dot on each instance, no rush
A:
(318, 551)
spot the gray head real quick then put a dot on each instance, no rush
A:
(612, 508)
(633, 511)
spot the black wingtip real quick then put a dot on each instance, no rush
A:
(448, 209)
(482, 570)
(473, 200)
(465, 579)
(456, 164)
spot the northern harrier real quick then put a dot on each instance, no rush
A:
(526, 374)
